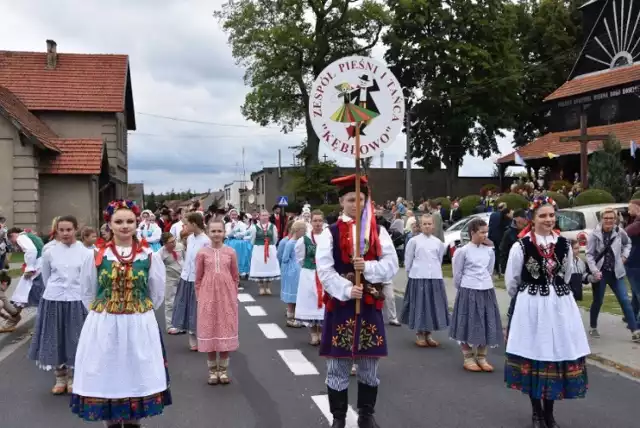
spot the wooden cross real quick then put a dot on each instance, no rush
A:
(325, 158)
(584, 139)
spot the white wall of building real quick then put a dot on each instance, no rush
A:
(232, 194)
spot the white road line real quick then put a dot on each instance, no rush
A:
(255, 311)
(297, 362)
(322, 401)
(272, 331)
(245, 297)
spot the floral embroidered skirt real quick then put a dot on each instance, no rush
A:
(549, 380)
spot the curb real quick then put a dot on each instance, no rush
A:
(28, 320)
(608, 363)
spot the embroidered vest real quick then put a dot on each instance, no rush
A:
(309, 254)
(340, 266)
(539, 274)
(37, 242)
(123, 289)
(260, 235)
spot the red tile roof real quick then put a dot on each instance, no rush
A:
(79, 82)
(14, 110)
(550, 143)
(606, 79)
(78, 156)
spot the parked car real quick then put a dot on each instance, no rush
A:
(575, 223)
(578, 222)
(453, 235)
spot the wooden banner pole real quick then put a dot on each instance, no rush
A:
(358, 213)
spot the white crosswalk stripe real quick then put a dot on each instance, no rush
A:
(297, 362)
(272, 331)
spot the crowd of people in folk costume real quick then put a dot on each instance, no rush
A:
(97, 331)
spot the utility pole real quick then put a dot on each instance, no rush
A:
(409, 190)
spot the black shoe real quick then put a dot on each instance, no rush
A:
(136, 425)
(551, 423)
(338, 405)
(366, 406)
(538, 422)
(118, 425)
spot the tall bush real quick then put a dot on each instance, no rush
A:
(514, 201)
(469, 203)
(606, 170)
(594, 196)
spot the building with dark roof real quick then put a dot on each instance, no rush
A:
(604, 84)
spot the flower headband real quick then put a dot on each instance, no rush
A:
(120, 204)
(539, 202)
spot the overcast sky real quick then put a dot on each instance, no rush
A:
(181, 68)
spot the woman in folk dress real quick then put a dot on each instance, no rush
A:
(61, 312)
(475, 322)
(309, 307)
(238, 238)
(121, 371)
(149, 230)
(185, 306)
(217, 282)
(264, 260)
(547, 343)
(425, 307)
(291, 273)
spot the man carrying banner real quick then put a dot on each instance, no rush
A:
(350, 335)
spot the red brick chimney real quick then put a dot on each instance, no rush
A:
(52, 54)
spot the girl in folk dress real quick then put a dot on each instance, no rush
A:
(291, 273)
(172, 255)
(309, 308)
(547, 343)
(121, 371)
(185, 306)
(425, 302)
(283, 242)
(264, 260)
(238, 238)
(149, 230)
(62, 314)
(476, 316)
(30, 287)
(217, 282)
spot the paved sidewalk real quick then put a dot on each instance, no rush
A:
(613, 349)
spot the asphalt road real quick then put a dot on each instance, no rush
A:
(272, 389)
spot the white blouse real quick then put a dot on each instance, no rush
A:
(473, 266)
(61, 266)
(423, 257)
(375, 271)
(235, 229)
(32, 261)
(89, 274)
(149, 231)
(194, 244)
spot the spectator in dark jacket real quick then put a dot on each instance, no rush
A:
(510, 237)
(498, 222)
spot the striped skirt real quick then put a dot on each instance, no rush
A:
(185, 307)
(548, 380)
(57, 332)
(476, 318)
(425, 306)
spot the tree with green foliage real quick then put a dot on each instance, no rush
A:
(460, 63)
(550, 38)
(606, 170)
(285, 44)
(151, 202)
(315, 185)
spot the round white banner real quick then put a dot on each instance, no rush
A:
(357, 90)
